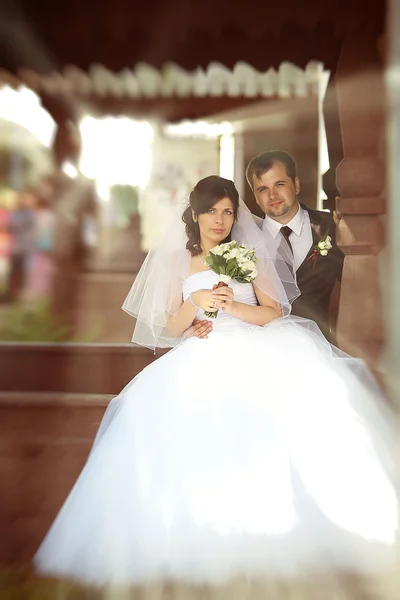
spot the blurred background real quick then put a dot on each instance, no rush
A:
(110, 112)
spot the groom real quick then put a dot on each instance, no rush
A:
(273, 179)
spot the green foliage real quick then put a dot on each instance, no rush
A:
(227, 259)
(34, 322)
(31, 322)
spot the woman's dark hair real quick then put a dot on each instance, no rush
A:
(203, 197)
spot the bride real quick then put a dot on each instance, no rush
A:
(261, 451)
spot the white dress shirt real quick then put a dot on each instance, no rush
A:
(300, 238)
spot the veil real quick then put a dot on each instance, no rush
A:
(156, 293)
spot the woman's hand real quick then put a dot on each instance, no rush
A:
(223, 297)
(203, 298)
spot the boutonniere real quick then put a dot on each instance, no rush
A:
(321, 248)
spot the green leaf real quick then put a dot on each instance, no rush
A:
(231, 266)
(220, 261)
(211, 315)
(245, 273)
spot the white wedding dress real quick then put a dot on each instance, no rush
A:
(260, 451)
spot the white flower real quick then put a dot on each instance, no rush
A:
(323, 252)
(234, 253)
(325, 244)
(252, 275)
(244, 257)
(248, 265)
(218, 250)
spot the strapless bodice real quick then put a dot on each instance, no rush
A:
(244, 292)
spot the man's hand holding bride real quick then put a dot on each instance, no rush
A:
(199, 329)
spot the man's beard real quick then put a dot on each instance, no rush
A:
(279, 211)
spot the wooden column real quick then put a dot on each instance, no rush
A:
(360, 179)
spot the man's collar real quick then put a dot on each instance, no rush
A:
(273, 227)
(296, 224)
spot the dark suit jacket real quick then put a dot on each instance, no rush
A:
(316, 281)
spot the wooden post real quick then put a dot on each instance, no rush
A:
(360, 179)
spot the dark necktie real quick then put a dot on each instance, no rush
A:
(286, 231)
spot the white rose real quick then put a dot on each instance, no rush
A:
(234, 253)
(247, 265)
(328, 244)
(321, 244)
(252, 275)
(218, 250)
(323, 252)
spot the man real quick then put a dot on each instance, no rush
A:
(273, 179)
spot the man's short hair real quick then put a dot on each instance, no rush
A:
(265, 161)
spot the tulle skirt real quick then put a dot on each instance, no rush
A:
(257, 453)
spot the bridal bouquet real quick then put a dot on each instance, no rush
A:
(231, 261)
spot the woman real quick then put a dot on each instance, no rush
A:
(260, 452)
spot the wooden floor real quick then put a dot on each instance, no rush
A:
(24, 585)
